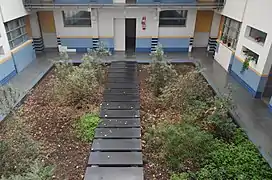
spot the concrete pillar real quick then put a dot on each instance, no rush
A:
(36, 32)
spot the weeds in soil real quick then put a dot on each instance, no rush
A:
(207, 144)
(86, 126)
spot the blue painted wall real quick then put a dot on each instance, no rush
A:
(7, 71)
(270, 104)
(83, 1)
(249, 79)
(24, 56)
(175, 44)
(143, 44)
(73, 43)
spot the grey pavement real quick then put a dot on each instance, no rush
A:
(30, 76)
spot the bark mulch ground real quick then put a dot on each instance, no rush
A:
(52, 124)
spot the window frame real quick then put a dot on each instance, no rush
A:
(174, 18)
(227, 29)
(64, 18)
(22, 29)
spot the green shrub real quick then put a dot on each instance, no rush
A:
(17, 154)
(183, 146)
(160, 71)
(86, 126)
(223, 125)
(182, 176)
(37, 171)
(79, 83)
(238, 160)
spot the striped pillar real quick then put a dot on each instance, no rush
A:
(211, 45)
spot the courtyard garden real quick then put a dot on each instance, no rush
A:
(187, 132)
(50, 134)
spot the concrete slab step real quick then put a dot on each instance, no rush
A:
(122, 70)
(117, 133)
(119, 113)
(121, 91)
(121, 86)
(114, 173)
(116, 145)
(132, 75)
(116, 159)
(121, 98)
(120, 123)
(120, 105)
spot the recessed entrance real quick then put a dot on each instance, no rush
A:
(130, 35)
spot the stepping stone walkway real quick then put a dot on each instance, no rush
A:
(116, 152)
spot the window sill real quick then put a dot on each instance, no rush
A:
(252, 39)
(230, 48)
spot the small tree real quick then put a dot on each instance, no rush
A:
(100, 52)
(161, 71)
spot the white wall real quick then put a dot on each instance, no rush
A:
(257, 15)
(35, 28)
(12, 9)
(181, 31)
(223, 56)
(3, 37)
(106, 17)
(74, 31)
(235, 8)
(119, 1)
(215, 25)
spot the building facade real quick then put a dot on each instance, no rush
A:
(244, 46)
(237, 32)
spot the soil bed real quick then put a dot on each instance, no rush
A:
(52, 125)
(187, 133)
(151, 115)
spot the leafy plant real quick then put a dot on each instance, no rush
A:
(86, 126)
(183, 146)
(182, 176)
(17, 154)
(100, 52)
(79, 83)
(246, 63)
(9, 96)
(37, 171)
(223, 126)
(160, 71)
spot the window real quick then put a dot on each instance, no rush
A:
(130, 1)
(76, 18)
(16, 32)
(173, 18)
(248, 53)
(230, 34)
(256, 35)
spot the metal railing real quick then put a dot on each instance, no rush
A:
(52, 4)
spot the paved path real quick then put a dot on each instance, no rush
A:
(116, 152)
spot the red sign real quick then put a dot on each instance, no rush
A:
(144, 22)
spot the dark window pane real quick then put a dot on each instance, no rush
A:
(77, 18)
(173, 18)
